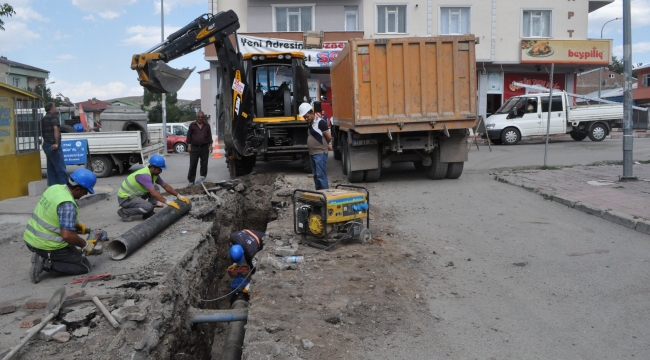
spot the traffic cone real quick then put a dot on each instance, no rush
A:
(217, 151)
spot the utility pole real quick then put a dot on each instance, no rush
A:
(600, 75)
(548, 121)
(163, 97)
(628, 174)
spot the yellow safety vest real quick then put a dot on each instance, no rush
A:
(43, 231)
(131, 188)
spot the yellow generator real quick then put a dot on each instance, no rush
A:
(326, 217)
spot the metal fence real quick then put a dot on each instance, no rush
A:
(28, 114)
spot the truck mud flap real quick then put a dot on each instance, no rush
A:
(453, 148)
(363, 157)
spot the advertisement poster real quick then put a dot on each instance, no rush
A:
(315, 57)
(7, 137)
(544, 51)
(540, 79)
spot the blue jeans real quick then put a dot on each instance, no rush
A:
(318, 166)
(56, 173)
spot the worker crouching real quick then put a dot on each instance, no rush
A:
(52, 234)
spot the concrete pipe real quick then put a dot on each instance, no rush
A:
(131, 240)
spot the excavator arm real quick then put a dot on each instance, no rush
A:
(235, 96)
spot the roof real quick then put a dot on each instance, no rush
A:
(4, 60)
(20, 91)
(196, 102)
(88, 106)
(646, 66)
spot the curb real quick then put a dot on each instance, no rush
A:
(619, 218)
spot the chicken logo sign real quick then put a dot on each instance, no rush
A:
(588, 52)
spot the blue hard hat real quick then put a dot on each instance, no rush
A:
(157, 161)
(85, 178)
(237, 253)
(78, 127)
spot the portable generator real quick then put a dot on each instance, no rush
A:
(326, 217)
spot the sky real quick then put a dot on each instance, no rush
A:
(87, 44)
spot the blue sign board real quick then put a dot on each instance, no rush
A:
(75, 152)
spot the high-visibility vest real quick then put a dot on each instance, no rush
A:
(43, 230)
(132, 188)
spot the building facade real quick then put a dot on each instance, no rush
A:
(641, 94)
(517, 40)
(21, 76)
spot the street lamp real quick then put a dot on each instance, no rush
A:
(600, 75)
(43, 88)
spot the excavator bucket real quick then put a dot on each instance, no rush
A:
(164, 78)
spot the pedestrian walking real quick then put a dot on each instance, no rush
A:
(52, 231)
(138, 194)
(51, 133)
(199, 145)
(319, 145)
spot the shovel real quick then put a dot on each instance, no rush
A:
(53, 307)
(213, 195)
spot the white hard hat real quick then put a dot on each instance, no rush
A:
(304, 108)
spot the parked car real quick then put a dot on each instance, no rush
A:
(176, 136)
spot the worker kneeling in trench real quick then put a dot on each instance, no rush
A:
(138, 195)
(52, 233)
(245, 244)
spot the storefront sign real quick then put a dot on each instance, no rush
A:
(541, 79)
(315, 57)
(75, 152)
(543, 51)
(7, 138)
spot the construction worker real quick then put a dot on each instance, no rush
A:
(52, 232)
(245, 244)
(138, 194)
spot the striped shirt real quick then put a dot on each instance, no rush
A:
(67, 212)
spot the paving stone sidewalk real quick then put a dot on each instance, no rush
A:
(595, 190)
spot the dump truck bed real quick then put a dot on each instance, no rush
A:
(405, 84)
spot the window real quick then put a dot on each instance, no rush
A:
(351, 18)
(28, 115)
(16, 82)
(646, 80)
(391, 19)
(536, 23)
(556, 106)
(454, 20)
(612, 76)
(294, 18)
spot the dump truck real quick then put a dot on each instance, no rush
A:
(260, 117)
(404, 100)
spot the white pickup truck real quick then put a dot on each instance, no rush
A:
(527, 115)
(117, 150)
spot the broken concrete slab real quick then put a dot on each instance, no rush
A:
(82, 331)
(307, 344)
(129, 313)
(7, 308)
(80, 315)
(62, 337)
(286, 251)
(620, 218)
(30, 321)
(50, 330)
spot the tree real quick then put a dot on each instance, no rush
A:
(617, 65)
(5, 10)
(46, 93)
(174, 113)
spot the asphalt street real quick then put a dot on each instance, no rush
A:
(531, 279)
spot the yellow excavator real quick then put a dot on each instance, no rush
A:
(260, 121)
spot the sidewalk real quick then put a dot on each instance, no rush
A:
(595, 190)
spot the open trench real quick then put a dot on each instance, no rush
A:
(205, 274)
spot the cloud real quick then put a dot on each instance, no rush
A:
(637, 48)
(16, 36)
(170, 4)
(89, 17)
(189, 93)
(86, 90)
(640, 16)
(65, 57)
(145, 36)
(58, 36)
(27, 14)
(105, 9)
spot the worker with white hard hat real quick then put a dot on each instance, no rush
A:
(318, 143)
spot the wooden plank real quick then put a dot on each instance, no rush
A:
(407, 80)
(390, 81)
(455, 66)
(423, 79)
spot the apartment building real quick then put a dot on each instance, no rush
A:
(517, 39)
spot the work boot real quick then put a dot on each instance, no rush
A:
(37, 268)
(125, 218)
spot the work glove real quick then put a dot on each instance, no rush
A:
(173, 204)
(183, 199)
(90, 245)
(81, 228)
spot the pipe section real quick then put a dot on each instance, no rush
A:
(212, 318)
(232, 349)
(131, 240)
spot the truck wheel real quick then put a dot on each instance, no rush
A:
(102, 166)
(336, 147)
(67, 129)
(510, 136)
(372, 175)
(577, 136)
(454, 170)
(353, 176)
(437, 170)
(598, 132)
